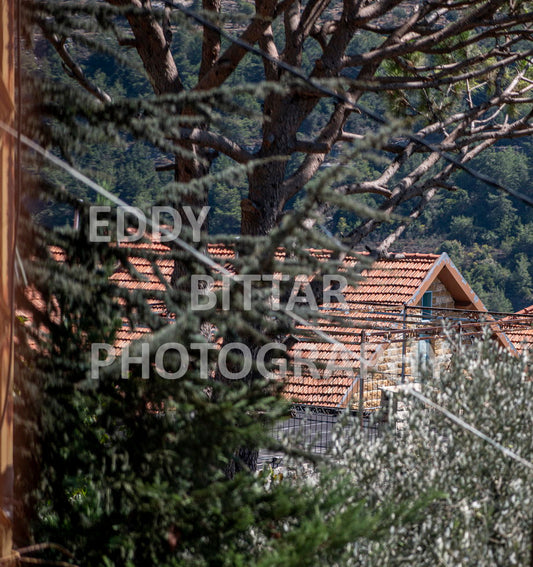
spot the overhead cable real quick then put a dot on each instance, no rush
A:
(408, 388)
(203, 258)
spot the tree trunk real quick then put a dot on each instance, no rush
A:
(197, 198)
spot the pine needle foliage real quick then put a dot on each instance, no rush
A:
(132, 470)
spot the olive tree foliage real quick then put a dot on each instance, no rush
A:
(483, 515)
(457, 74)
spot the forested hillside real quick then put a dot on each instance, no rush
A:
(325, 124)
(487, 234)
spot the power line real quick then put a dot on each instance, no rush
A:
(184, 245)
(208, 261)
(341, 98)
(408, 388)
(180, 242)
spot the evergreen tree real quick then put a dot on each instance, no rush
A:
(130, 469)
(134, 470)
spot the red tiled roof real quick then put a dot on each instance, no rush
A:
(389, 281)
(338, 367)
(386, 287)
(519, 329)
(57, 253)
(126, 335)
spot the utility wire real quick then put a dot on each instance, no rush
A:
(341, 98)
(180, 242)
(208, 261)
(462, 423)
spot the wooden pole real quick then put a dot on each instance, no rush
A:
(7, 231)
(404, 344)
(362, 380)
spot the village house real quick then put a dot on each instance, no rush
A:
(397, 319)
(393, 329)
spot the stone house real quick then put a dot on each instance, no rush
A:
(392, 329)
(394, 321)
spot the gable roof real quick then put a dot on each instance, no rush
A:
(377, 303)
(386, 287)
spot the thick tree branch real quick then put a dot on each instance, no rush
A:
(292, 54)
(74, 70)
(308, 147)
(321, 32)
(267, 44)
(233, 55)
(332, 132)
(217, 142)
(211, 39)
(312, 12)
(153, 47)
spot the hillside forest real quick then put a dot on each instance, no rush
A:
(488, 235)
(132, 468)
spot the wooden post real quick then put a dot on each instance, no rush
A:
(7, 231)
(404, 344)
(362, 380)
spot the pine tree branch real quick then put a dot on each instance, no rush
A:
(443, 78)
(309, 147)
(233, 55)
(153, 47)
(267, 44)
(212, 40)
(482, 15)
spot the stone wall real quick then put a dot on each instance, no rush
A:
(392, 367)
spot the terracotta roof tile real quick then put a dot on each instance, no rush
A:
(387, 281)
(385, 287)
(519, 329)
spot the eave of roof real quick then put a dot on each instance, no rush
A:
(460, 290)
